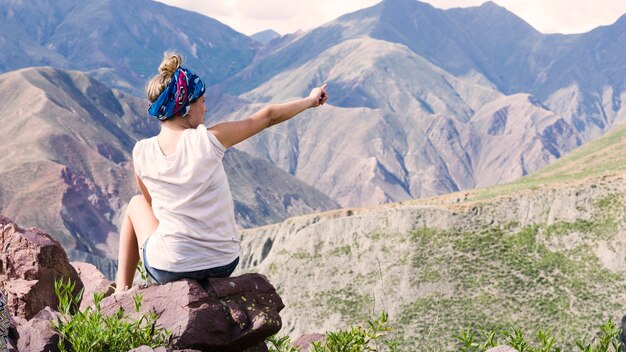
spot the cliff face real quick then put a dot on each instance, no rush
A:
(552, 257)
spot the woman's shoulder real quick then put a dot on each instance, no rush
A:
(142, 144)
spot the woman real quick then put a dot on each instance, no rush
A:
(184, 221)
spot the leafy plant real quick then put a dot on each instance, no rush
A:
(143, 274)
(355, 339)
(91, 330)
(607, 341)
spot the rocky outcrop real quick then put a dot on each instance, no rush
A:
(30, 262)
(94, 281)
(224, 314)
(36, 334)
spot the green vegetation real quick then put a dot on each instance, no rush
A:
(468, 341)
(510, 277)
(346, 301)
(93, 331)
(374, 337)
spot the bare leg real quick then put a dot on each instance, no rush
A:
(139, 222)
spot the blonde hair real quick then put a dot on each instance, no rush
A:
(157, 84)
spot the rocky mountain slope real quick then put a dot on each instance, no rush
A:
(544, 252)
(66, 163)
(437, 87)
(120, 42)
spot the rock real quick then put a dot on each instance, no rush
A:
(262, 347)
(502, 349)
(30, 262)
(304, 342)
(13, 334)
(149, 349)
(36, 334)
(223, 314)
(94, 281)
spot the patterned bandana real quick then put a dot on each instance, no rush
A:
(184, 88)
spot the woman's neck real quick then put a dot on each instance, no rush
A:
(176, 124)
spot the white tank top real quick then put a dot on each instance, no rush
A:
(192, 201)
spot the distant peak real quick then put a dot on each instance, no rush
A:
(265, 36)
(488, 4)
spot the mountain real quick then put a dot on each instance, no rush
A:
(66, 163)
(120, 42)
(432, 101)
(265, 36)
(545, 252)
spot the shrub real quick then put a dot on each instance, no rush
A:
(92, 331)
(356, 339)
(608, 340)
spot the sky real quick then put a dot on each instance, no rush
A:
(288, 16)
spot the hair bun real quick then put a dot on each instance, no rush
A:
(171, 61)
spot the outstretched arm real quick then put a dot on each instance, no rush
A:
(231, 133)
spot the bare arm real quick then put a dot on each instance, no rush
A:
(231, 133)
(144, 190)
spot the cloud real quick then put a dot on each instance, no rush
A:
(283, 16)
(287, 16)
(554, 16)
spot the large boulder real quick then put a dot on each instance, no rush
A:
(94, 282)
(223, 314)
(36, 334)
(30, 262)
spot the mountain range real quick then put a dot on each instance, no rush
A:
(117, 41)
(462, 98)
(430, 101)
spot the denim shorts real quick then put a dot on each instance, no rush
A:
(163, 276)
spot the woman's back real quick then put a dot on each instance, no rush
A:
(191, 200)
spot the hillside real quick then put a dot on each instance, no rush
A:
(66, 164)
(545, 252)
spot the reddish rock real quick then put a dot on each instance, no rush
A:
(36, 334)
(149, 349)
(94, 281)
(30, 262)
(305, 342)
(262, 347)
(225, 314)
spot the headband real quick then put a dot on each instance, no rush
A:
(184, 88)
